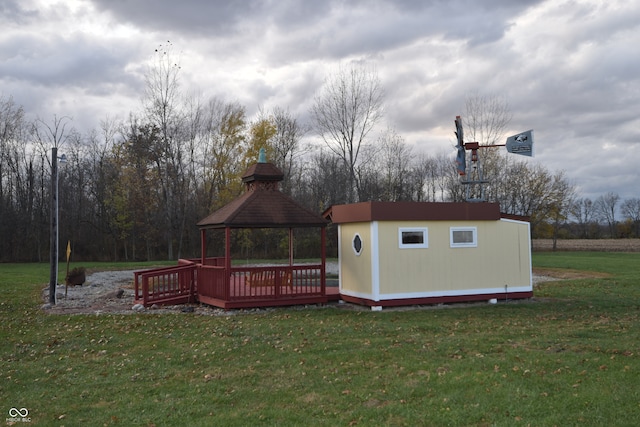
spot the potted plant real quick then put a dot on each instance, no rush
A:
(76, 276)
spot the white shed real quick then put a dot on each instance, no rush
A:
(405, 253)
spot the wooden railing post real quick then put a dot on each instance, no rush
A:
(135, 285)
(323, 262)
(145, 290)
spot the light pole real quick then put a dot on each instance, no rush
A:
(53, 251)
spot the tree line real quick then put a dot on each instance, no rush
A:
(134, 188)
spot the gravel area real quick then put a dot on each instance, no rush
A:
(113, 292)
(102, 292)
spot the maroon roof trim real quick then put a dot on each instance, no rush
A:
(412, 211)
(515, 217)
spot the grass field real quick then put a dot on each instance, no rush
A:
(570, 356)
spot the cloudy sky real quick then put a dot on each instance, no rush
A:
(569, 69)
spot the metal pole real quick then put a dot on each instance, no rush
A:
(53, 250)
(323, 260)
(57, 219)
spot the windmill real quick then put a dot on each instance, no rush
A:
(470, 168)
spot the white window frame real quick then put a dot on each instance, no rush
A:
(353, 244)
(425, 239)
(472, 244)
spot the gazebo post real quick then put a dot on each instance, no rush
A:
(290, 246)
(227, 248)
(227, 262)
(203, 245)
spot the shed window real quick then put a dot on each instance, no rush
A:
(464, 237)
(357, 244)
(413, 238)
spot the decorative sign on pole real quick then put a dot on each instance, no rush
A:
(521, 143)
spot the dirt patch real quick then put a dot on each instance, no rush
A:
(566, 274)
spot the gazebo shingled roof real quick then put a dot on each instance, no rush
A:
(262, 205)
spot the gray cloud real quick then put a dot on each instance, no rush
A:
(18, 12)
(191, 16)
(569, 69)
(53, 60)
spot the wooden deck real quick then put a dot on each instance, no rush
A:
(242, 287)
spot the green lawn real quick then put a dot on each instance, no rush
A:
(569, 357)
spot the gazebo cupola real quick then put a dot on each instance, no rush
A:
(262, 175)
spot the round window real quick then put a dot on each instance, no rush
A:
(357, 244)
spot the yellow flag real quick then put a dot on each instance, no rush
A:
(68, 250)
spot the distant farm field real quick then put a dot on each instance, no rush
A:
(599, 245)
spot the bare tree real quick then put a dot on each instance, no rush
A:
(486, 118)
(631, 210)
(583, 212)
(605, 207)
(162, 97)
(163, 109)
(485, 121)
(393, 165)
(345, 111)
(443, 180)
(560, 201)
(102, 174)
(286, 144)
(194, 137)
(422, 187)
(368, 176)
(12, 124)
(22, 207)
(326, 182)
(53, 134)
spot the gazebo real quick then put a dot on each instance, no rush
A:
(215, 281)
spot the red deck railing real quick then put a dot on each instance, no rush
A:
(168, 285)
(260, 283)
(213, 282)
(189, 282)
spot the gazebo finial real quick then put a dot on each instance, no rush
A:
(262, 157)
